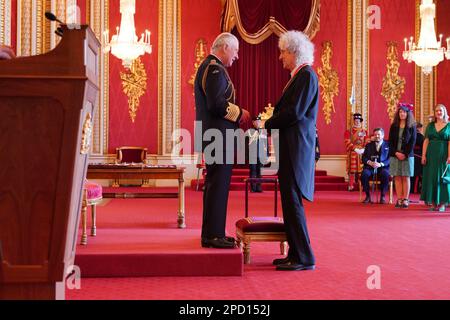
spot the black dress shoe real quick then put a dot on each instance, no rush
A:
(382, 200)
(367, 200)
(277, 262)
(229, 239)
(294, 266)
(220, 243)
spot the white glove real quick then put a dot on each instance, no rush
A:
(359, 151)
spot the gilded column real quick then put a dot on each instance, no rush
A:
(2, 21)
(33, 30)
(60, 11)
(169, 40)
(97, 16)
(24, 30)
(5, 22)
(358, 60)
(425, 84)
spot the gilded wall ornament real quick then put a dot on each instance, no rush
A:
(393, 83)
(134, 85)
(86, 134)
(328, 81)
(200, 54)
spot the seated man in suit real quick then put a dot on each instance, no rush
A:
(376, 159)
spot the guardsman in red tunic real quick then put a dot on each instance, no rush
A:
(355, 140)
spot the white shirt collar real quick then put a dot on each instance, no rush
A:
(293, 72)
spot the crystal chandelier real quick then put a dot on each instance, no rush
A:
(124, 44)
(428, 52)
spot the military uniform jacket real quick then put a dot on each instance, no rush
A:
(214, 100)
(295, 115)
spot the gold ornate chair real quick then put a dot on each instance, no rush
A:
(131, 155)
(134, 155)
(261, 228)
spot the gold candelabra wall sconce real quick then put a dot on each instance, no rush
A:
(328, 81)
(393, 83)
(200, 54)
(134, 85)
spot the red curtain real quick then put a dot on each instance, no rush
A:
(258, 75)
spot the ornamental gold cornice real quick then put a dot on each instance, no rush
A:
(232, 19)
(328, 81)
(393, 84)
(134, 84)
(200, 54)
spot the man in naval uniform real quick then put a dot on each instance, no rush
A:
(216, 109)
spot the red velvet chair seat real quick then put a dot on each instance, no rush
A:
(262, 228)
(93, 191)
(261, 224)
(92, 196)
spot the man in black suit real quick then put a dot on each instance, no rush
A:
(217, 113)
(376, 160)
(295, 117)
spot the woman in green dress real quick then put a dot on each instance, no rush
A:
(435, 158)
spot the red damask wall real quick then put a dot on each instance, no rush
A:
(397, 22)
(443, 69)
(199, 19)
(333, 27)
(144, 131)
(82, 5)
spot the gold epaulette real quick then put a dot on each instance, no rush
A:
(233, 112)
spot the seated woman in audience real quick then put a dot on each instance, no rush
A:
(435, 159)
(402, 138)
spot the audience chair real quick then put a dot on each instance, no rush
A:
(91, 197)
(377, 187)
(131, 155)
(261, 228)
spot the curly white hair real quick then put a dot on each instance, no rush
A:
(298, 43)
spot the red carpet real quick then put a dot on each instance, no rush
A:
(323, 182)
(139, 237)
(411, 247)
